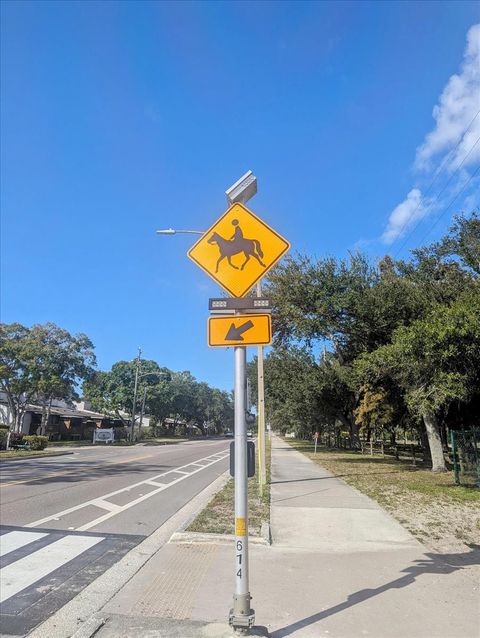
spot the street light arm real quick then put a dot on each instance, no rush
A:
(172, 231)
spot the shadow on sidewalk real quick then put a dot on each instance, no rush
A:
(433, 564)
(332, 476)
(290, 498)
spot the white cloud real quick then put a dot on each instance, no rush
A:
(458, 105)
(403, 215)
(453, 142)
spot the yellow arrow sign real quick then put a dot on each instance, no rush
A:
(238, 250)
(240, 330)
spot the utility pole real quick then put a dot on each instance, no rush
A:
(262, 466)
(142, 411)
(137, 370)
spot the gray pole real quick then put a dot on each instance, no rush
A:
(262, 461)
(142, 411)
(134, 407)
(242, 616)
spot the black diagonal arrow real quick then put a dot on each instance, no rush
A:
(235, 334)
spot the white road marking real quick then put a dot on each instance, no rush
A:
(162, 486)
(106, 505)
(105, 517)
(31, 568)
(14, 540)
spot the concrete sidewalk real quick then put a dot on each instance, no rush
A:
(339, 566)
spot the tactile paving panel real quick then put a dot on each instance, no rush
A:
(172, 593)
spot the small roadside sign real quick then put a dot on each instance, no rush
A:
(238, 250)
(104, 434)
(240, 330)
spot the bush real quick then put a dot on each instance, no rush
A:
(16, 438)
(36, 442)
(3, 438)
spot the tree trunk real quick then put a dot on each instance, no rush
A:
(353, 429)
(46, 410)
(434, 442)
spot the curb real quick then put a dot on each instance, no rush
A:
(89, 628)
(74, 616)
(34, 456)
(266, 532)
(183, 538)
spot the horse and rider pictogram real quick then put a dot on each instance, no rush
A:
(235, 245)
(238, 250)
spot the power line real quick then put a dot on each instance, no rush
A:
(450, 204)
(435, 200)
(437, 173)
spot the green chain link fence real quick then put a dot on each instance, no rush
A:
(466, 456)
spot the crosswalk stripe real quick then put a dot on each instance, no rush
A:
(15, 540)
(28, 570)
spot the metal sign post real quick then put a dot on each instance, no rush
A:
(236, 252)
(242, 617)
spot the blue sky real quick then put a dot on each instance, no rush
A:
(119, 118)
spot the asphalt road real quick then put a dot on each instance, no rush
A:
(65, 520)
(37, 492)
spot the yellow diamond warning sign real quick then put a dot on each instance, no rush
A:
(238, 250)
(240, 330)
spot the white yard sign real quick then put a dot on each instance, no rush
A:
(106, 435)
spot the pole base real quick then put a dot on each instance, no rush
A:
(241, 624)
(242, 617)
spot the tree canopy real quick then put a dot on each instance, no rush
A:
(45, 363)
(41, 364)
(387, 343)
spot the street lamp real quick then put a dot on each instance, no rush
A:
(135, 389)
(142, 412)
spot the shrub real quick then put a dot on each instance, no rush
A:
(16, 438)
(3, 438)
(36, 442)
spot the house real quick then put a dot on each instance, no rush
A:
(66, 421)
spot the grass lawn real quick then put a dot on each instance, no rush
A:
(217, 517)
(70, 443)
(13, 454)
(436, 510)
